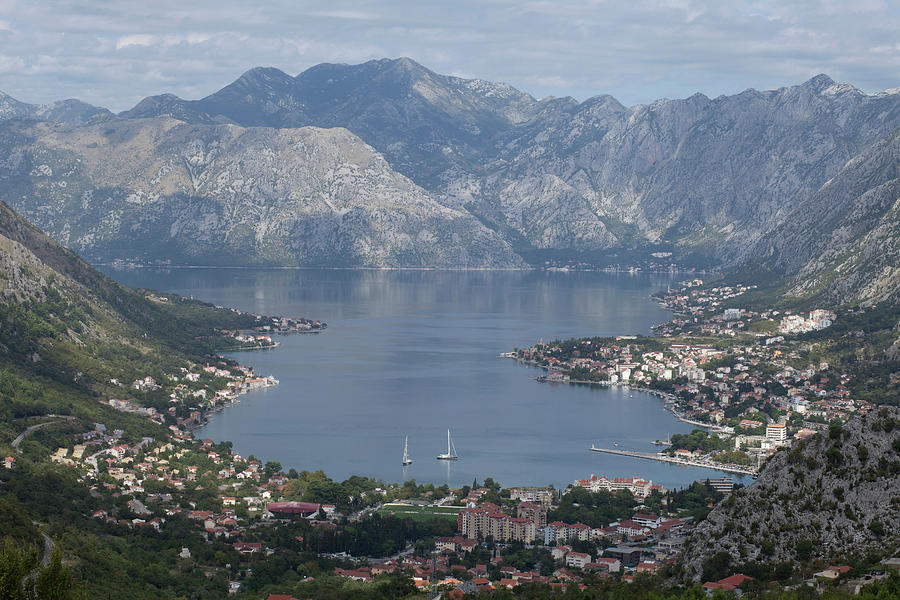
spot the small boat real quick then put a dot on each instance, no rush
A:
(451, 450)
(406, 459)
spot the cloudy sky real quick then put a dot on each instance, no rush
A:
(114, 53)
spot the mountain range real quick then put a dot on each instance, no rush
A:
(470, 174)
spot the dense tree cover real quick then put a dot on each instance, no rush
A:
(735, 457)
(528, 559)
(696, 500)
(698, 439)
(330, 587)
(377, 535)
(23, 578)
(356, 492)
(597, 509)
(579, 373)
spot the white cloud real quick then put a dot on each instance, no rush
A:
(138, 39)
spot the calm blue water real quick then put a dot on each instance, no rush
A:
(415, 353)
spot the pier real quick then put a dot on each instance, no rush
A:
(674, 460)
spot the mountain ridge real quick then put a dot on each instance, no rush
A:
(224, 194)
(702, 180)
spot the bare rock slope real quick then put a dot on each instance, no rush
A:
(831, 495)
(160, 189)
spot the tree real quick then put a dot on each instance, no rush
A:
(804, 550)
(15, 564)
(54, 582)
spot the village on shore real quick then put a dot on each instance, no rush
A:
(734, 373)
(749, 397)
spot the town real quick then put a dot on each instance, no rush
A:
(724, 370)
(233, 515)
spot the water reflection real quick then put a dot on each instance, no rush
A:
(415, 352)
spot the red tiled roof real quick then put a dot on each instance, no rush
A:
(735, 580)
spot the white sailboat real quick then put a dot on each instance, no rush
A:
(451, 450)
(406, 459)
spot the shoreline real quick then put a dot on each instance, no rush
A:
(678, 461)
(617, 270)
(668, 399)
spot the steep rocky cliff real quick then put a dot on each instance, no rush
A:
(713, 174)
(159, 189)
(830, 496)
(844, 241)
(733, 180)
(708, 175)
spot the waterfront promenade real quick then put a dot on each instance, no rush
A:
(678, 461)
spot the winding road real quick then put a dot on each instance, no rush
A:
(30, 430)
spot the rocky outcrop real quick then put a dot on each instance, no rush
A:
(162, 190)
(830, 496)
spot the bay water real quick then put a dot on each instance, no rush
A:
(415, 353)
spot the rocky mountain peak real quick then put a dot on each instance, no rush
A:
(818, 83)
(262, 80)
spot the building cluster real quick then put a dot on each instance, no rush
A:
(489, 520)
(817, 319)
(639, 487)
(755, 378)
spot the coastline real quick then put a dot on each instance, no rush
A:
(728, 468)
(608, 269)
(668, 399)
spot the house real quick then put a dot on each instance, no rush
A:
(9, 462)
(624, 554)
(647, 520)
(833, 572)
(248, 547)
(289, 509)
(728, 584)
(647, 567)
(611, 565)
(631, 528)
(389, 567)
(577, 559)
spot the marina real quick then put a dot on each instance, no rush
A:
(675, 460)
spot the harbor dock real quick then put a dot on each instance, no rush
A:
(677, 461)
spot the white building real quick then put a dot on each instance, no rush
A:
(776, 432)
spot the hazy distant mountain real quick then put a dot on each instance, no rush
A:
(707, 174)
(61, 111)
(712, 180)
(160, 189)
(421, 121)
(702, 173)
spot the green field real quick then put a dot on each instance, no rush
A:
(420, 513)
